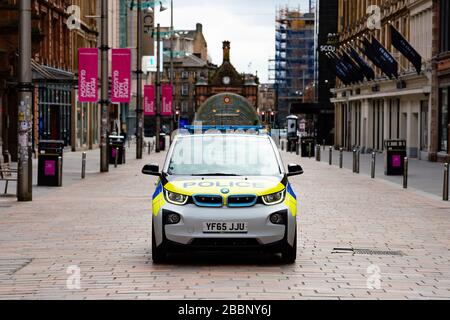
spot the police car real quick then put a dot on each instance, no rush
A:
(220, 192)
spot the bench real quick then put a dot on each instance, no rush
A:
(7, 174)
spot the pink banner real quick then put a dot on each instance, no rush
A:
(167, 98)
(121, 76)
(88, 75)
(149, 100)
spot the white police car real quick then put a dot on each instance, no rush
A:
(221, 192)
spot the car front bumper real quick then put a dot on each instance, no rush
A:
(189, 232)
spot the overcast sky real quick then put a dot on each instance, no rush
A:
(248, 24)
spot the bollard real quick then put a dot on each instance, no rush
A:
(318, 155)
(149, 147)
(374, 158)
(116, 158)
(446, 177)
(358, 160)
(405, 174)
(331, 156)
(83, 165)
(60, 167)
(341, 158)
(297, 148)
(354, 160)
(309, 150)
(282, 145)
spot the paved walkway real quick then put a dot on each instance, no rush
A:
(424, 176)
(102, 226)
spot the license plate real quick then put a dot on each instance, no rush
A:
(225, 227)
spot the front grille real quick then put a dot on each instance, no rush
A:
(242, 200)
(208, 200)
(217, 242)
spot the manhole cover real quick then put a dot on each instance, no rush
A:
(372, 252)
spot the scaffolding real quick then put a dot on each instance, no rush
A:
(293, 66)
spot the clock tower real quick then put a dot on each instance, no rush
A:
(226, 79)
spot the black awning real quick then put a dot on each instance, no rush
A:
(42, 73)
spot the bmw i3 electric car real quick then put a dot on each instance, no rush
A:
(221, 192)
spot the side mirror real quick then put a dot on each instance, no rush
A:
(151, 170)
(294, 170)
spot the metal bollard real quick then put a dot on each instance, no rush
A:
(149, 147)
(354, 160)
(318, 155)
(405, 174)
(297, 148)
(331, 156)
(83, 165)
(60, 168)
(282, 145)
(309, 150)
(446, 177)
(358, 160)
(116, 158)
(341, 158)
(374, 159)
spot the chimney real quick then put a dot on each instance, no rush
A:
(199, 27)
(226, 51)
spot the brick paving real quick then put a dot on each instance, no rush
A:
(102, 225)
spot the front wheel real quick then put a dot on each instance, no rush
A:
(289, 253)
(158, 253)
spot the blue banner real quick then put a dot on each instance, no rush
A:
(405, 48)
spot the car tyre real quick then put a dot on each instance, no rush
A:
(158, 253)
(289, 253)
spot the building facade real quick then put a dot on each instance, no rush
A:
(440, 120)
(227, 79)
(266, 102)
(54, 54)
(370, 112)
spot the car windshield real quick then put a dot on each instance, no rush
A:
(222, 155)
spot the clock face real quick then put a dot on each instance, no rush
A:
(226, 80)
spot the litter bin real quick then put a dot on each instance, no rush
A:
(394, 153)
(50, 163)
(308, 147)
(116, 149)
(162, 141)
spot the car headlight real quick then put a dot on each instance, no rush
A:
(274, 198)
(176, 198)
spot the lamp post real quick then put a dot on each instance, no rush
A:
(158, 88)
(171, 65)
(139, 110)
(25, 87)
(104, 102)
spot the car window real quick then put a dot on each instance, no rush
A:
(223, 155)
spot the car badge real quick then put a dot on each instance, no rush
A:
(225, 190)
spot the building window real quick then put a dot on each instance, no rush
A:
(443, 119)
(424, 125)
(185, 89)
(185, 75)
(445, 25)
(184, 106)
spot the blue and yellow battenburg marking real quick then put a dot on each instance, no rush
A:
(158, 199)
(291, 200)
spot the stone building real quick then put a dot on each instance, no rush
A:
(369, 112)
(53, 62)
(440, 120)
